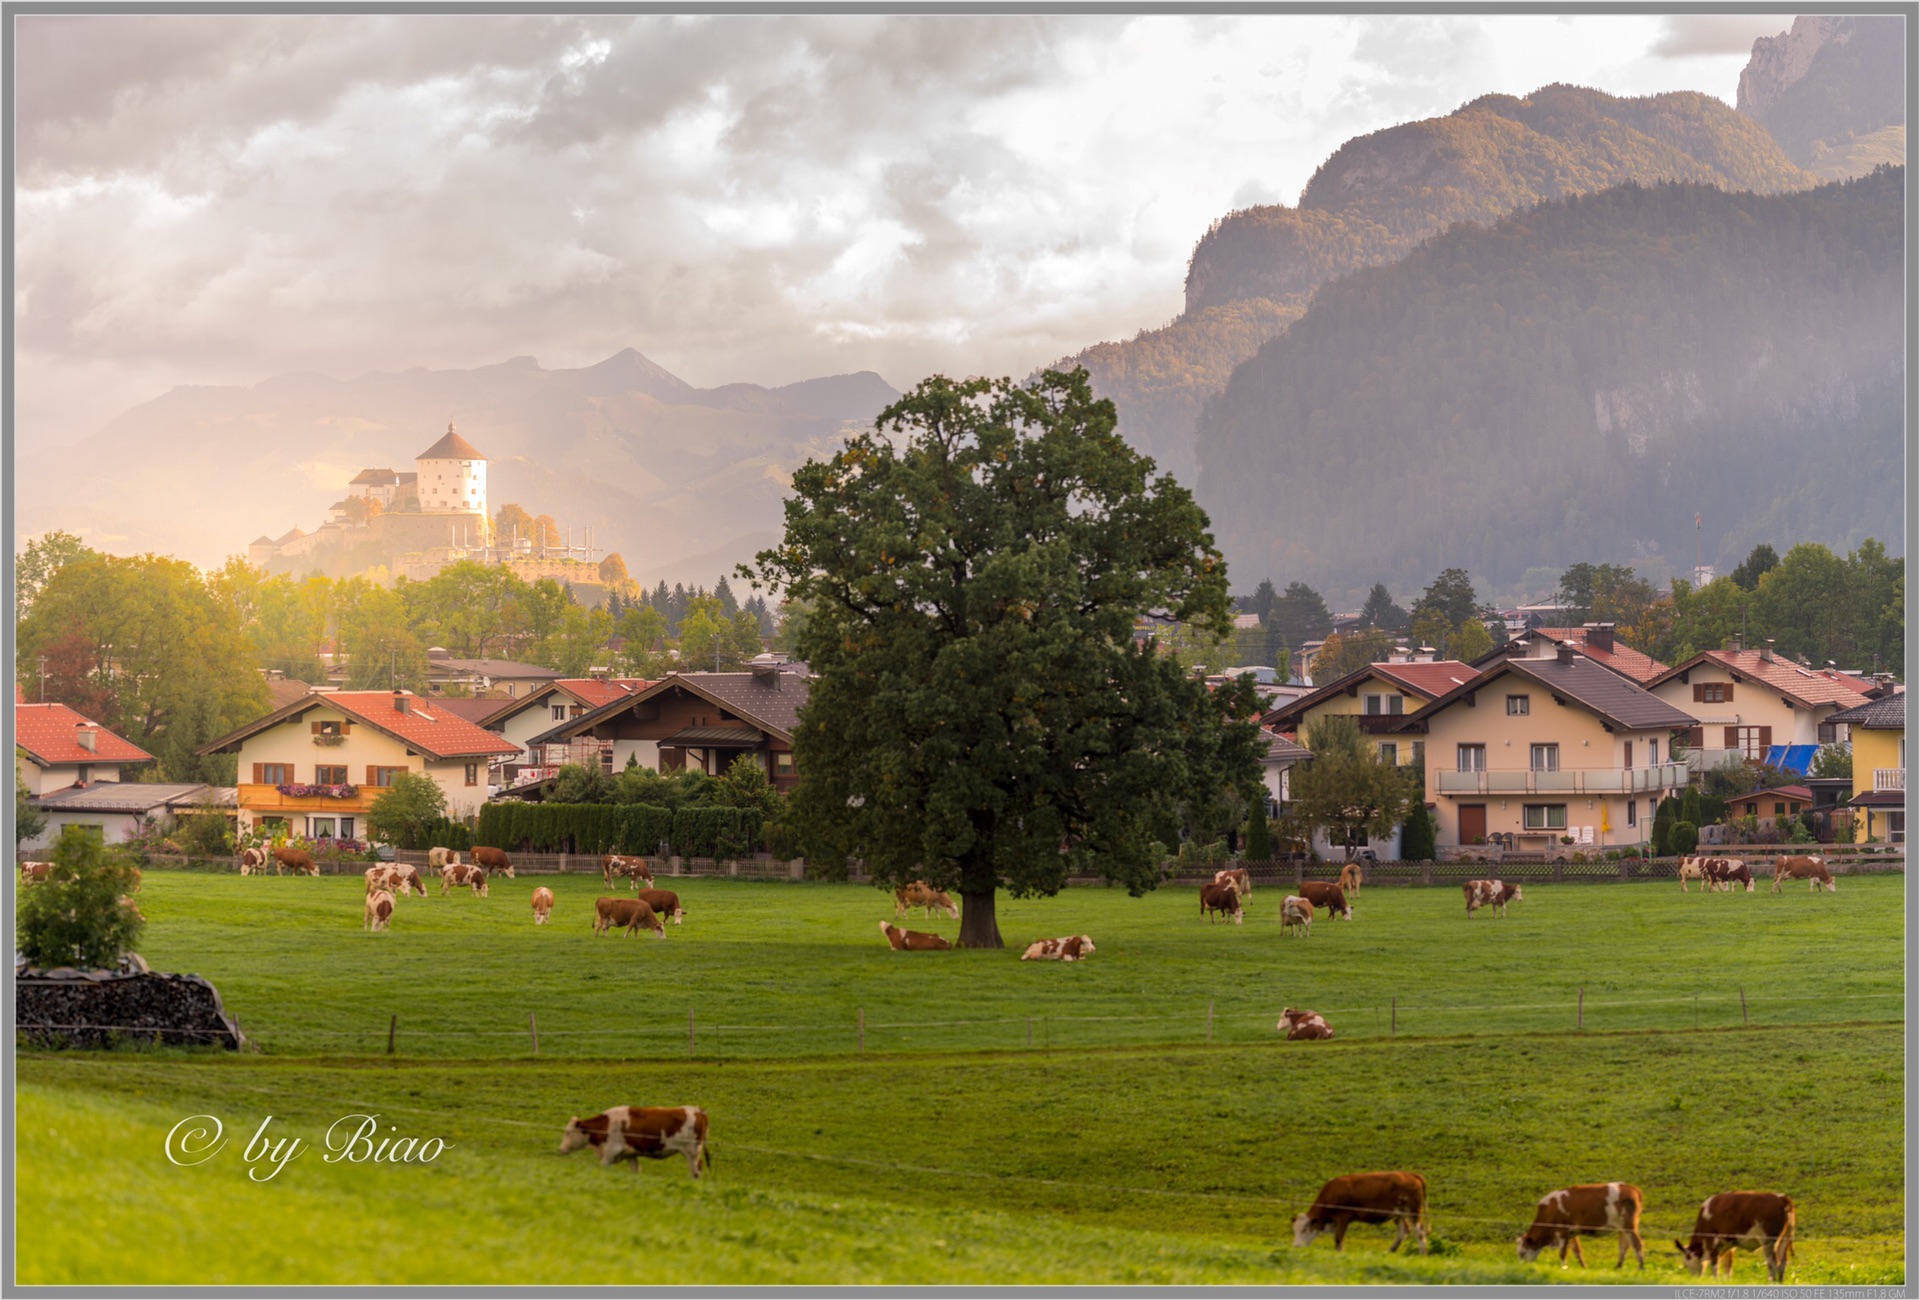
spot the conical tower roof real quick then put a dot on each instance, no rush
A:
(451, 447)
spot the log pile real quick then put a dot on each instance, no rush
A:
(94, 1009)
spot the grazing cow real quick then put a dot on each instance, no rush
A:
(438, 858)
(379, 910)
(253, 862)
(922, 895)
(298, 861)
(1221, 897)
(912, 940)
(1367, 1198)
(1690, 869)
(1331, 897)
(1238, 878)
(1075, 948)
(1296, 914)
(1733, 1219)
(34, 872)
(409, 878)
(1350, 878)
(629, 868)
(1732, 871)
(542, 904)
(1813, 870)
(630, 914)
(493, 860)
(1490, 893)
(664, 902)
(1591, 1209)
(462, 876)
(384, 877)
(637, 1132)
(1304, 1024)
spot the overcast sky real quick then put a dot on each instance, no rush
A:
(220, 199)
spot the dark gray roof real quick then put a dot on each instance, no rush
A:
(769, 700)
(1614, 699)
(125, 796)
(1889, 714)
(1282, 750)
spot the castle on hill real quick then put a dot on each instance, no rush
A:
(450, 478)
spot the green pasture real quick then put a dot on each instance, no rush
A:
(1121, 1146)
(779, 970)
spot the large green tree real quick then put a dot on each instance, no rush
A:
(981, 714)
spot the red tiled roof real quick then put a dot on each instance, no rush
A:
(425, 726)
(1429, 679)
(1809, 686)
(451, 447)
(596, 692)
(1623, 658)
(46, 732)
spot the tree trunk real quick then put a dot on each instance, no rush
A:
(978, 927)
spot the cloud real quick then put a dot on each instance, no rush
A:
(1688, 36)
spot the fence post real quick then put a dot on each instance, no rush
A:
(1299, 871)
(1559, 875)
(563, 864)
(1743, 1004)
(393, 1024)
(1426, 871)
(863, 1029)
(1580, 1016)
(689, 1031)
(533, 1028)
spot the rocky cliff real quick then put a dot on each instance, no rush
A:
(1832, 91)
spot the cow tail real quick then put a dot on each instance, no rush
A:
(706, 1156)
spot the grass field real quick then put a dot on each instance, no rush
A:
(949, 1151)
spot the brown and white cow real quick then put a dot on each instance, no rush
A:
(616, 865)
(379, 910)
(1690, 869)
(1074, 948)
(922, 895)
(665, 903)
(253, 862)
(1238, 878)
(298, 861)
(1221, 897)
(440, 857)
(629, 914)
(1331, 897)
(492, 860)
(1591, 1209)
(642, 1132)
(1303, 1025)
(1395, 1197)
(383, 877)
(542, 904)
(1762, 1220)
(1350, 878)
(1731, 872)
(1490, 893)
(460, 875)
(1296, 914)
(409, 877)
(1811, 869)
(912, 940)
(32, 873)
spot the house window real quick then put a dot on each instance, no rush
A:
(1518, 706)
(1391, 705)
(324, 775)
(1749, 741)
(1390, 753)
(326, 729)
(559, 713)
(1470, 758)
(94, 830)
(783, 766)
(1546, 817)
(1546, 758)
(273, 773)
(1897, 827)
(319, 826)
(1779, 810)
(1828, 734)
(383, 776)
(1633, 812)
(1419, 751)
(1714, 693)
(473, 774)
(1653, 753)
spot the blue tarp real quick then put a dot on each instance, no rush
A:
(1792, 758)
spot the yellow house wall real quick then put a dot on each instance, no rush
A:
(1585, 744)
(1355, 705)
(1872, 748)
(1754, 704)
(292, 742)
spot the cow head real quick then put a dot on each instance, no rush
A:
(1529, 1248)
(1086, 945)
(1305, 1230)
(1694, 1257)
(480, 886)
(574, 1137)
(1287, 1019)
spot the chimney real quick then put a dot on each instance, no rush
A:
(400, 704)
(87, 736)
(1766, 655)
(1565, 654)
(1400, 655)
(1425, 656)
(1600, 636)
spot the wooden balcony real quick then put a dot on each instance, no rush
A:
(268, 799)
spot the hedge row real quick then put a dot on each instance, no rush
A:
(441, 832)
(619, 828)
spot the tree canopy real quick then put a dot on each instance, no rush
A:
(982, 716)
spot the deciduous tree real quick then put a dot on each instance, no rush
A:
(1345, 792)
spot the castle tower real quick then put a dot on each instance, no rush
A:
(452, 476)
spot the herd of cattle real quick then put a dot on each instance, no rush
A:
(388, 883)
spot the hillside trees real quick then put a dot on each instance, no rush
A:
(981, 717)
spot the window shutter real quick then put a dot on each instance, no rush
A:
(1726, 693)
(373, 775)
(316, 728)
(1696, 737)
(1699, 692)
(259, 778)
(1733, 737)
(1766, 737)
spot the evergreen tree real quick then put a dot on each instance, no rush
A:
(1380, 611)
(1750, 570)
(724, 594)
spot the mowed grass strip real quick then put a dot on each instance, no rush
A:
(780, 969)
(1090, 1165)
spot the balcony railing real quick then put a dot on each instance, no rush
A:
(270, 798)
(1890, 778)
(1565, 781)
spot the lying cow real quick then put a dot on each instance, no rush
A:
(1732, 1219)
(439, 857)
(1296, 914)
(542, 904)
(379, 910)
(1220, 897)
(1303, 1025)
(1350, 878)
(1331, 897)
(32, 873)
(492, 860)
(912, 940)
(1591, 1209)
(1367, 1198)
(1075, 948)
(462, 876)
(922, 895)
(629, 914)
(664, 902)
(1490, 893)
(1813, 870)
(298, 861)
(253, 862)
(642, 1132)
(615, 866)
(1238, 878)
